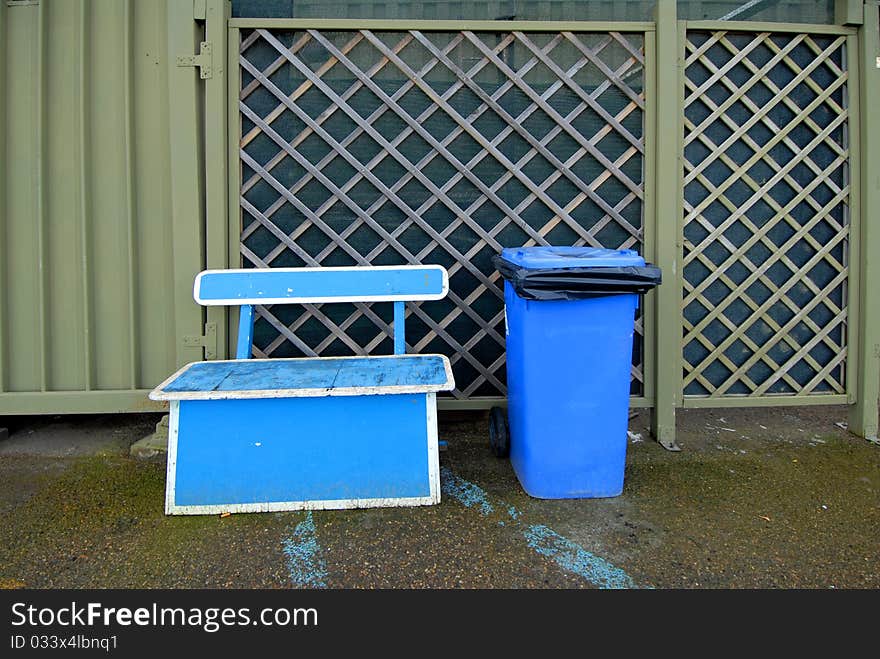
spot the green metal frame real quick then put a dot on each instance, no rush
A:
(856, 219)
(187, 179)
(765, 401)
(649, 233)
(4, 169)
(217, 14)
(667, 219)
(83, 402)
(763, 26)
(863, 413)
(439, 26)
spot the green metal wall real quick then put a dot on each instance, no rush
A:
(98, 223)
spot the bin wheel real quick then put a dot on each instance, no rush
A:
(499, 438)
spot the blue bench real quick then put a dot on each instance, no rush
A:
(259, 435)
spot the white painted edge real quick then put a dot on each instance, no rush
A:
(433, 447)
(318, 300)
(159, 394)
(283, 506)
(171, 466)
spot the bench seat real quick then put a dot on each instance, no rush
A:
(307, 377)
(261, 435)
(266, 435)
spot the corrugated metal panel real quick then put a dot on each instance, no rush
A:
(87, 222)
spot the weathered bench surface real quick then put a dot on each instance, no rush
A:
(307, 377)
(257, 435)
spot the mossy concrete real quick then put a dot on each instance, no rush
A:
(154, 444)
(757, 498)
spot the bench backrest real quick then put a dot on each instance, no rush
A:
(248, 287)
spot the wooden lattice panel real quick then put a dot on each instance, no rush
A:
(361, 147)
(766, 214)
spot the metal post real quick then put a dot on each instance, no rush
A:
(4, 173)
(667, 222)
(863, 414)
(186, 183)
(216, 180)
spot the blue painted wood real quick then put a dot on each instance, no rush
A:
(413, 370)
(200, 379)
(301, 449)
(316, 373)
(260, 286)
(244, 347)
(399, 331)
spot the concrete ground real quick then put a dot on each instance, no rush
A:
(757, 498)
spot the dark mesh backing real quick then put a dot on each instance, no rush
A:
(766, 223)
(391, 148)
(790, 11)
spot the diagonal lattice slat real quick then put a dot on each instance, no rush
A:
(766, 228)
(362, 147)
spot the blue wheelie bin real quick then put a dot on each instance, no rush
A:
(569, 314)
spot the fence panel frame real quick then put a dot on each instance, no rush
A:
(863, 413)
(645, 29)
(854, 327)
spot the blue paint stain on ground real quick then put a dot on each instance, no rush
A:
(304, 563)
(567, 554)
(572, 557)
(465, 492)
